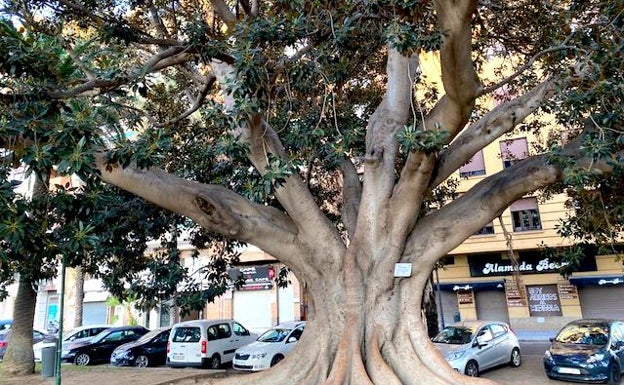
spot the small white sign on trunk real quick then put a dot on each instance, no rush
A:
(402, 270)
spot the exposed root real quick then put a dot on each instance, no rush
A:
(378, 369)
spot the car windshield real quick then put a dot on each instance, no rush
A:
(274, 335)
(455, 335)
(585, 334)
(149, 336)
(100, 336)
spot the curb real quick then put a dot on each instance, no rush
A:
(195, 376)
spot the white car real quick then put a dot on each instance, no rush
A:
(473, 346)
(270, 348)
(206, 343)
(78, 334)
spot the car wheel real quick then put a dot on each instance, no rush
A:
(614, 374)
(141, 362)
(516, 359)
(276, 359)
(82, 359)
(215, 362)
(472, 369)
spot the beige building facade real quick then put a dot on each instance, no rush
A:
(480, 279)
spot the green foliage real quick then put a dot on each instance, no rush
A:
(77, 81)
(413, 139)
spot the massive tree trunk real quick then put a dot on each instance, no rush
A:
(365, 325)
(19, 358)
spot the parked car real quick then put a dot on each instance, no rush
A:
(590, 350)
(270, 348)
(150, 349)
(76, 335)
(206, 343)
(5, 335)
(473, 346)
(100, 347)
(5, 324)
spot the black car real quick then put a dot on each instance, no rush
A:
(100, 347)
(151, 349)
(587, 350)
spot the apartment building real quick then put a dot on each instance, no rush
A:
(481, 280)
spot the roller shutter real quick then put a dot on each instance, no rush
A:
(449, 306)
(94, 313)
(491, 305)
(602, 301)
(253, 309)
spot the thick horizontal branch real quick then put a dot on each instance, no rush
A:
(213, 207)
(445, 229)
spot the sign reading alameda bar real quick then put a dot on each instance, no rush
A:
(491, 265)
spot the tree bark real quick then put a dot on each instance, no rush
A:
(19, 357)
(79, 296)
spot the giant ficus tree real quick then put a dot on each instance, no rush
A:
(311, 130)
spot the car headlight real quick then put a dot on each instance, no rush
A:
(258, 356)
(455, 355)
(547, 355)
(595, 358)
(123, 354)
(65, 352)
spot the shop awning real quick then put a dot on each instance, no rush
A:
(478, 285)
(597, 280)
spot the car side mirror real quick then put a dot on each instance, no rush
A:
(292, 339)
(551, 339)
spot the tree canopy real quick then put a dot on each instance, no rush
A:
(313, 130)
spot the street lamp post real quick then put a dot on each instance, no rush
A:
(440, 308)
(59, 343)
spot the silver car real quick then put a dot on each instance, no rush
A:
(473, 346)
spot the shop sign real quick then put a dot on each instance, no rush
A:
(543, 301)
(253, 277)
(465, 297)
(514, 295)
(567, 291)
(497, 266)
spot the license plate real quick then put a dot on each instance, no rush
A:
(178, 356)
(569, 371)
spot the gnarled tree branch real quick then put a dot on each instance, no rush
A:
(497, 122)
(351, 195)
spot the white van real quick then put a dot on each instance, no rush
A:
(206, 343)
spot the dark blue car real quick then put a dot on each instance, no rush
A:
(149, 350)
(587, 350)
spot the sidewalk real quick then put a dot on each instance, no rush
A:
(541, 335)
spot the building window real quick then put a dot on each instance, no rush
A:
(474, 167)
(486, 230)
(525, 215)
(513, 151)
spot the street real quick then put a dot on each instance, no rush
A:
(531, 372)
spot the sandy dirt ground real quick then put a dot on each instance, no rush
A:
(107, 375)
(530, 373)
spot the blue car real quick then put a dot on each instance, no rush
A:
(587, 350)
(149, 350)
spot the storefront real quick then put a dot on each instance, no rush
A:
(256, 301)
(484, 286)
(601, 296)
